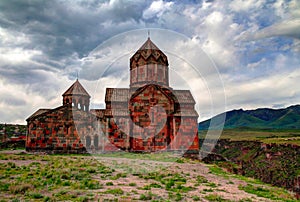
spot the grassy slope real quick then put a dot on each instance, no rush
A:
(82, 178)
(268, 136)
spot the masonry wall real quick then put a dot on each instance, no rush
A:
(64, 130)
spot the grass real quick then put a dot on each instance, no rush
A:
(116, 191)
(264, 135)
(254, 186)
(218, 171)
(215, 198)
(163, 156)
(109, 184)
(214, 169)
(80, 178)
(132, 184)
(147, 196)
(266, 192)
(201, 179)
(60, 176)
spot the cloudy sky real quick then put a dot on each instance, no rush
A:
(246, 52)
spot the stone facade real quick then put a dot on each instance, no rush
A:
(146, 117)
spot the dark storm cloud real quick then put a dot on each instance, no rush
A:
(11, 100)
(21, 74)
(57, 34)
(63, 28)
(32, 77)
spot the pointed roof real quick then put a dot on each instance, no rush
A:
(76, 89)
(149, 49)
(148, 45)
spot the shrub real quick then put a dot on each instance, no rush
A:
(196, 198)
(211, 184)
(11, 164)
(208, 190)
(180, 161)
(91, 184)
(133, 184)
(36, 195)
(65, 176)
(109, 183)
(201, 179)
(147, 196)
(66, 183)
(215, 198)
(20, 189)
(4, 187)
(116, 191)
(91, 170)
(178, 197)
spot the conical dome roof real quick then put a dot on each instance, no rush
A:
(148, 53)
(76, 89)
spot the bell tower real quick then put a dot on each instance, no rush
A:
(77, 96)
(149, 65)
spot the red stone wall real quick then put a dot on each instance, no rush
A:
(59, 129)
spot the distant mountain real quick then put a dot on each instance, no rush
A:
(263, 118)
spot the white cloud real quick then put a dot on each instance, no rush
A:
(10, 38)
(294, 8)
(288, 28)
(17, 55)
(254, 93)
(255, 65)
(30, 101)
(246, 5)
(156, 9)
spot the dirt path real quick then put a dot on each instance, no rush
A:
(227, 188)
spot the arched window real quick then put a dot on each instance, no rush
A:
(67, 100)
(96, 141)
(87, 141)
(78, 106)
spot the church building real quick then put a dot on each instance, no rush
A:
(148, 116)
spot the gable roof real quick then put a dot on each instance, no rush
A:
(38, 112)
(117, 95)
(76, 89)
(62, 109)
(124, 94)
(184, 96)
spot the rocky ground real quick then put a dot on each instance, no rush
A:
(125, 177)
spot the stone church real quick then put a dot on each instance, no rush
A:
(148, 116)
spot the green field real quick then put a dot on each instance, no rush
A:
(266, 136)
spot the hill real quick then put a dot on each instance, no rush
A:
(263, 118)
